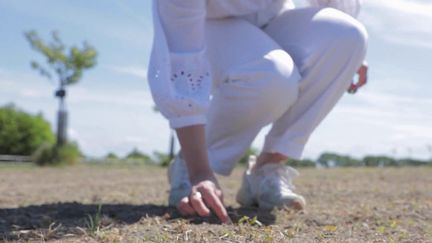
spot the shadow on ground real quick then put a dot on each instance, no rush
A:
(73, 218)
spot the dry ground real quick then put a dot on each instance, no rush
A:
(344, 205)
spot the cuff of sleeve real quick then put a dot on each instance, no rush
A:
(185, 121)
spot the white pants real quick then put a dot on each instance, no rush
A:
(291, 73)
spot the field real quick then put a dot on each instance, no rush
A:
(128, 204)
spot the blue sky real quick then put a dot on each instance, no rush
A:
(111, 108)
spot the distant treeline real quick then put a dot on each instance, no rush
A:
(29, 137)
(133, 157)
(329, 160)
(325, 160)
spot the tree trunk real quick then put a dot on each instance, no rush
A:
(172, 146)
(61, 127)
(61, 118)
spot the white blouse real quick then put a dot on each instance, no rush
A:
(179, 74)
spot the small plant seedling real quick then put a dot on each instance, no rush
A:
(250, 221)
(93, 222)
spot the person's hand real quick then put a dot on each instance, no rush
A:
(362, 79)
(205, 193)
(205, 196)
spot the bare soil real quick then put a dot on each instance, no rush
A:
(344, 205)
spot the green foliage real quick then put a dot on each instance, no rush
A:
(67, 63)
(412, 162)
(94, 222)
(250, 221)
(380, 161)
(332, 160)
(111, 156)
(336, 160)
(301, 163)
(47, 154)
(68, 154)
(22, 133)
(135, 154)
(161, 159)
(135, 157)
(44, 155)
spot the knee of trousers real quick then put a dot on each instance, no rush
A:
(283, 88)
(348, 34)
(275, 81)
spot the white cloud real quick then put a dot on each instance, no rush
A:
(400, 22)
(24, 85)
(33, 93)
(373, 123)
(120, 25)
(406, 41)
(139, 72)
(131, 13)
(5, 84)
(73, 134)
(135, 140)
(110, 118)
(384, 122)
(411, 7)
(414, 131)
(393, 103)
(83, 95)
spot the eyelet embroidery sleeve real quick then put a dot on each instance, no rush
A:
(179, 72)
(351, 7)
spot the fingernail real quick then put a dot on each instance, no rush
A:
(228, 221)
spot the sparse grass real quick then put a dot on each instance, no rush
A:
(16, 165)
(93, 222)
(250, 221)
(128, 204)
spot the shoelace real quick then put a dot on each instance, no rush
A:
(288, 175)
(279, 175)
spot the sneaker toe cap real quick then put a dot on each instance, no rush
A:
(292, 201)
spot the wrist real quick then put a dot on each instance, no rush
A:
(200, 174)
(194, 152)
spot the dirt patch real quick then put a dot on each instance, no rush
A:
(128, 204)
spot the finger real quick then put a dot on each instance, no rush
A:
(198, 204)
(363, 75)
(363, 69)
(220, 195)
(352, 89)
(185, 208)
(362, 80)
(215, 203)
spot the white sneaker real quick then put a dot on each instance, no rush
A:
(178, 178)
(269, 186)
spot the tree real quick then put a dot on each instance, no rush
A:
(161, 158)
(380, 161)
(68, 154)
(135, 154)
(67, 64)
(333, 159)
(111, 156)
(22, 133)
(301, 163)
